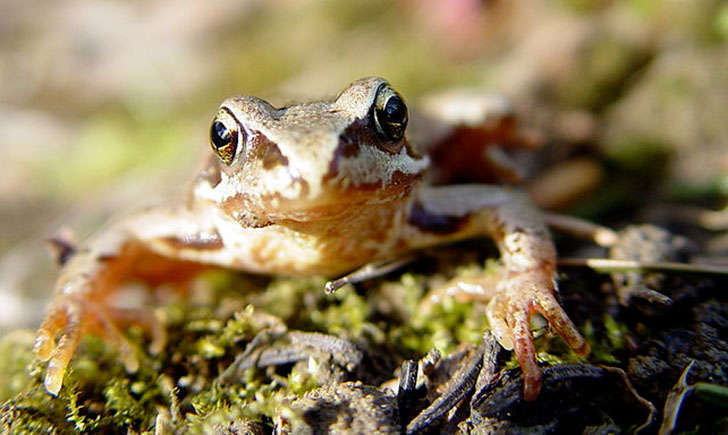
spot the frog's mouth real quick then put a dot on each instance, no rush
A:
(337, 199)
(337, 202)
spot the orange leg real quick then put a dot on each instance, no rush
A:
(82, 305)
(526, 283)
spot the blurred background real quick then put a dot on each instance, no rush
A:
(105, 104)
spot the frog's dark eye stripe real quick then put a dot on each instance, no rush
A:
(224, 133)
(390, 113)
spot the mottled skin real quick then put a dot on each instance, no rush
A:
(314, 188)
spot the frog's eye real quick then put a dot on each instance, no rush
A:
(224, 137)
(390, 113)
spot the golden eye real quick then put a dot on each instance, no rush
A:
(224, 138)
(390, 113)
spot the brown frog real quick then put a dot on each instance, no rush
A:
(317, 188)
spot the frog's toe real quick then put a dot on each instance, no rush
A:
(65, 320)
(159, 337)
(499, 327)
(120, 318)
(509, 318)
(549, 307)
(45, 337)
(70, 317)
(61, 356)
(109, 332)
(509, 313)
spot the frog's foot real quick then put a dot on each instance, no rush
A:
(519, 296)
(71, 316)
(514, 298)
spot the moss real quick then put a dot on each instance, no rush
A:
(346, 317)
(15, 356)
(99, 395)
(180, 389)
(606, 339)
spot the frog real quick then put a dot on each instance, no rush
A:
(338, 188)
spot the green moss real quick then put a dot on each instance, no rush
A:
(291, 299)
(15, 356)
(180, 387)
(124, 407)
(99, 395)
(347, 317)
(606, 340)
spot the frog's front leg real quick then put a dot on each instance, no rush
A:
(160, 245)
(527, 282)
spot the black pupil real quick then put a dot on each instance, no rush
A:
(220, 134)
(394, 110)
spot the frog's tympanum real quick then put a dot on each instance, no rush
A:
(315, 188)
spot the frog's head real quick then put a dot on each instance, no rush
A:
(313, 160)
